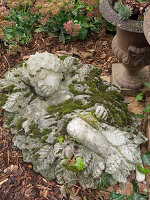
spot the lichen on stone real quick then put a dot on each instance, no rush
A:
(59, 110)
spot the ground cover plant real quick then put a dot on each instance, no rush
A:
(70, 20)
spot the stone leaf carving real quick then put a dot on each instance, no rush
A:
(59, 109)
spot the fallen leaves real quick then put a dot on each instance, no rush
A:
(83, 54)
(103, 56)
(11, 169)
(126, 189)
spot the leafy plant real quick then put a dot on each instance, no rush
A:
(79, 164)
(116, 196)
(105, 181)
(75, 167)
(24, 18)
(21, 30)
(60, 139)
(143, 170)
(146, 158)
(135, 196)
(65, 23)
(139, 97)
(108, 25)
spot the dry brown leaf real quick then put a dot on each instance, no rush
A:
(106, 78)
(30, 166)
(78, 198)
(103, 56)
(85, 55)
(45, 193)
(126, 189)
(11, 169)
(72, 161)
(109, 59)
(25, 57)
(63, 53)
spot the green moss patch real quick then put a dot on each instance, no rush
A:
(119, 115)
(35, 132)
(66, 107)
(3, 99)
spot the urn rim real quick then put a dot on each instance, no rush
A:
(146, 25)
(107, 11)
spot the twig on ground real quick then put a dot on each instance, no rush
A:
(8, 157)
(6, 60)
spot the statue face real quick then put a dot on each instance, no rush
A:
(47, 82)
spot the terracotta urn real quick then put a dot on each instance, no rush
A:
(130, 47)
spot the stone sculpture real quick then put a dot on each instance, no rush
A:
(59, 109)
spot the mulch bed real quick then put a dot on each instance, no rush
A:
(99, 45)
(17, 179)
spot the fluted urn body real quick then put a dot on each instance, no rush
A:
(130, 47)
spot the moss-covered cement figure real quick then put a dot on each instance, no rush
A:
(61, 111)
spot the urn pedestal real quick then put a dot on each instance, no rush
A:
(131, 49)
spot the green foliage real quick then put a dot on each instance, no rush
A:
(60, 139)
(21, 30)
(3, 99)
(135, 186)
(24, 22)
(108, 25)
(77, 166)
(78, 14)
(135, 196)
(55, 24)
(147, 84)
(139, 97)
(146, 158)
(116, 196)
(105, 181)
(147, 108)
(143, 170)
(141, 116)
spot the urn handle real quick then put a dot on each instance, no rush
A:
(137, 57)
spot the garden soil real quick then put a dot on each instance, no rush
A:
(17, 179)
